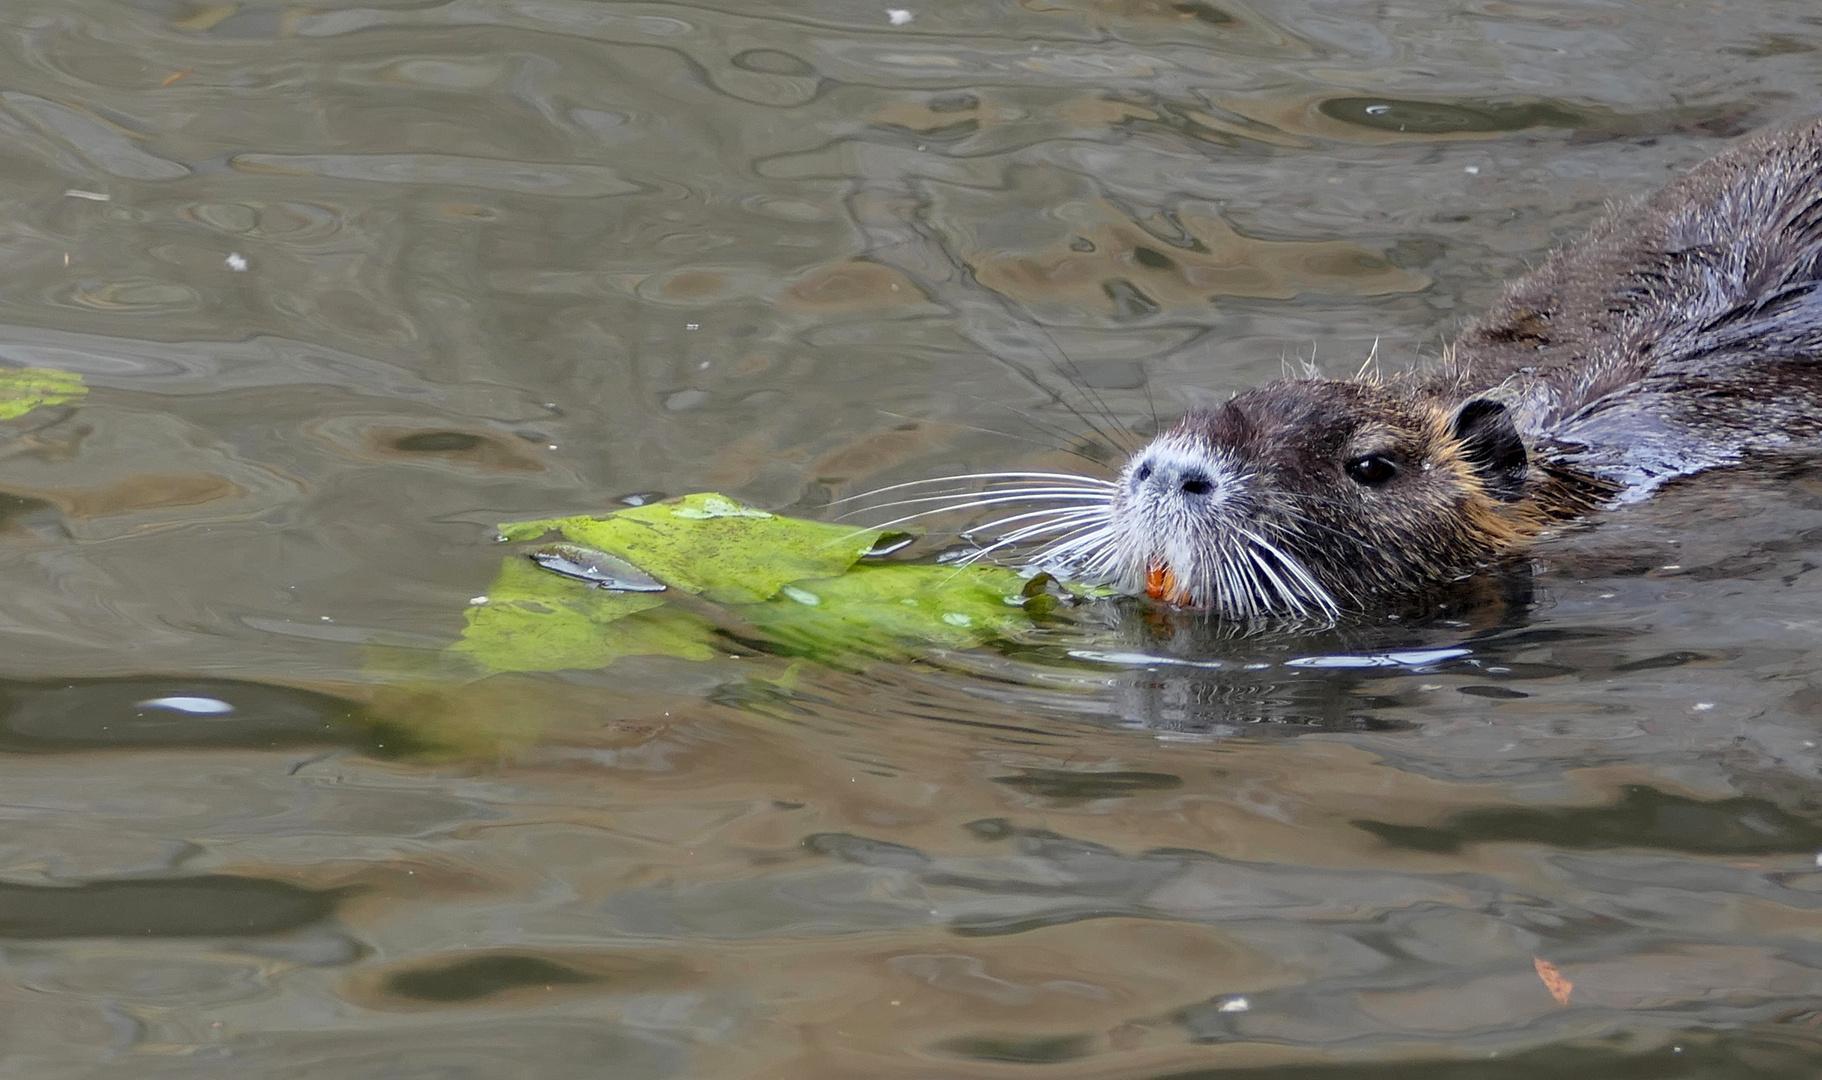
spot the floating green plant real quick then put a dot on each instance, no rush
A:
(668, 579)
(25, 389)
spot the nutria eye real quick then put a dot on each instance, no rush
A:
(1372, 470)
(1142, 473)
(1196, 484)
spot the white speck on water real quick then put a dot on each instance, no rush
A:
(704, 366)
(1378, 110)
(236, 262)
(692, 326)
(898, 16)
(1472, 170)
(481, 599)
(325, 618)
(92, 196)
(1703, 706)
(1671, 566)
(200, 706)
(956, 618)
(550, 446)
(1235, 1004)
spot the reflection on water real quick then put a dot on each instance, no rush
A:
(351, 283)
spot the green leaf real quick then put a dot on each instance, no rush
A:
(711, 545)
(893, 610)
(25, 389)
(795, 584)
(538, 621)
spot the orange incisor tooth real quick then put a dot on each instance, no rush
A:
(1161, 583)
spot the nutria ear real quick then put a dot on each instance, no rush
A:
(1490, 444)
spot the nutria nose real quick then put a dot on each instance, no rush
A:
(1165, 476)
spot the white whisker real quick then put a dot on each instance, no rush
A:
(1308, 592)
(1289, 595)
(1027, 533)
(998, 494)
(967, 477)
(1051, 523)
(976, 505)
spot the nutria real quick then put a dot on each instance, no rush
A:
(1681, 334)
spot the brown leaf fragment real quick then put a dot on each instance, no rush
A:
(176, 76)
(1554, 982)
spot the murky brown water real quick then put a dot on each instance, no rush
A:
(515, 258)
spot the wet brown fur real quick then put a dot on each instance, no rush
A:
(1678, 335)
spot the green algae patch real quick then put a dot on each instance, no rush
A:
(25, 389)
(733, 574)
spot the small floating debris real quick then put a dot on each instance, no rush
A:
(1554, 982)
(236, 262)
(596, 567)
(898, 16)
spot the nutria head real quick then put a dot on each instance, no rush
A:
(1307, 497)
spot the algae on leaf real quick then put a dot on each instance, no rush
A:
(25, 389)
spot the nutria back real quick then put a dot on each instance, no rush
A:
(1681, 334)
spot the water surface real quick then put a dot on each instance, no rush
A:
(353, 282)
